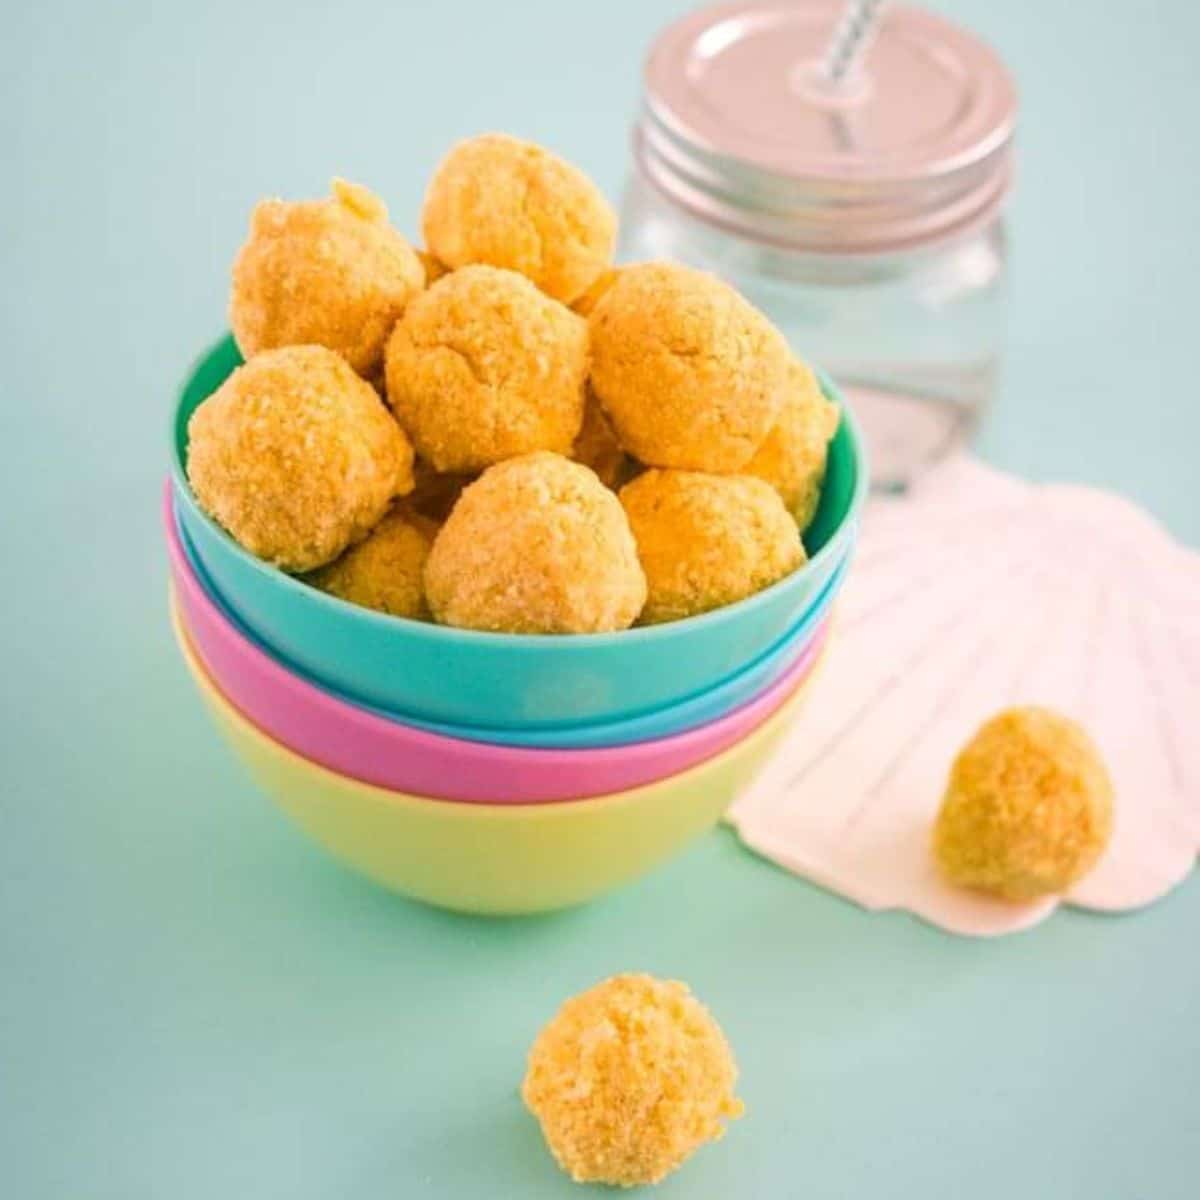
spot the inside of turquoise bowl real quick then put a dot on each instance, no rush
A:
(841, 475)
(841, 482)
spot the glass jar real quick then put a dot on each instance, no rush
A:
(865, 219)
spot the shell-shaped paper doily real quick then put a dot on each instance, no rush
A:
(975, 593)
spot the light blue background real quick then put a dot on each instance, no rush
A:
(194, 1002)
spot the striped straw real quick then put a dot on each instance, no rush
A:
(850, 39)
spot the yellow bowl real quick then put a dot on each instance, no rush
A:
(496, 859)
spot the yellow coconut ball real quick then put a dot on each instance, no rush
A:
(707, 540)
(498, 200)
(690, 374)
(1028, 810)
(484, 367)
(792, 457)
(323, 272)
(597, 446)
(386, 570)
(536, 545)
(629, 1079)
(296, 457)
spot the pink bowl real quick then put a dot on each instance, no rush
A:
(383, 751)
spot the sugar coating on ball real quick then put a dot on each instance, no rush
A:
(792, 456)
(629, 1079)
(690, 374)
(484, 367)
(1028, 809)
(498, 200)
(707, 540)
(328, 272)
(597, 446)
(295, 455)
(386, 570)
(537, 544)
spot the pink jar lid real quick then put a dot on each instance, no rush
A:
(739, 127)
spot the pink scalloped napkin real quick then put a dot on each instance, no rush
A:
(975, 592)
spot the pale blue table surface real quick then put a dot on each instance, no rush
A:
(196, 1003)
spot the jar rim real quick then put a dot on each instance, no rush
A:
(799, 227)
(726, 132)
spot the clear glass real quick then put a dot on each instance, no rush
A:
(913, 338)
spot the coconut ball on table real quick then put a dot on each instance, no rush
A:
(629, 1079)
(1028, 809)
(296, 457)
(327, 272)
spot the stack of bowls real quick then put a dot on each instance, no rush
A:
(490, 772)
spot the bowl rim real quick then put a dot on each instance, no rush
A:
(813, 630)
(581, 762)
(451, 635)
(549, 809)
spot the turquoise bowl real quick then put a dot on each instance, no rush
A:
(462, 677)
(669, 721)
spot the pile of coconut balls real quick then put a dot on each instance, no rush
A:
(503, 431)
